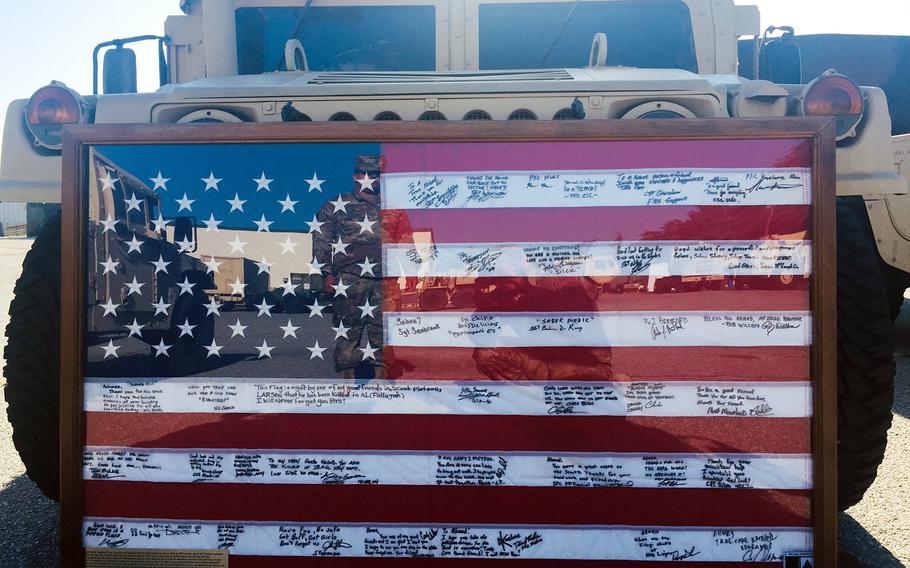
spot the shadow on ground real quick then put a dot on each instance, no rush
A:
(28, 526)
(859, 549)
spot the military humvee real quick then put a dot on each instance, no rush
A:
(371, 60)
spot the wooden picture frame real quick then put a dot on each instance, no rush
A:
(77, 141)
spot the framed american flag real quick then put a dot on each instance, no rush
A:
(605, 343)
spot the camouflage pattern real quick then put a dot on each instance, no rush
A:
(361, 245)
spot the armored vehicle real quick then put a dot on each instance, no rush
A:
(271, 61)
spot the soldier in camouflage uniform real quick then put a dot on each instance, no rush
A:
(348, 243)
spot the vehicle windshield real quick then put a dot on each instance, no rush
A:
(533, 35)
(339, 38)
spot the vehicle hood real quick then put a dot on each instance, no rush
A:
(295, 84)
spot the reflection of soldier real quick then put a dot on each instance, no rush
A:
(348, 243)
(565, 294)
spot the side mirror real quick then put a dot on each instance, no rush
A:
(119, 70)
(780, 60)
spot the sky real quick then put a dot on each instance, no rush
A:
(53, 39)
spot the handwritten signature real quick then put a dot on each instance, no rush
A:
(478, 395)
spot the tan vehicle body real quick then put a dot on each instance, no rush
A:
(203, 72)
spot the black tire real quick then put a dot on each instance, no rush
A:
(33, 360)
(865, 356)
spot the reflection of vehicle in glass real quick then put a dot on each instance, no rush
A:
(115, 237)
(689, 283)
(441, 292)
(779, 281)
(373, 60)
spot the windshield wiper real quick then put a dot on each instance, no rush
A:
(562, 29)
(298, 29)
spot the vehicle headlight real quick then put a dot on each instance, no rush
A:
(49, 109)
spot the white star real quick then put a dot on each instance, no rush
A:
(262, 225)
(185, 244)
(107, 182)
(237, 287)
(341, 289)
(161, 348)
(316, 309)
(109, 224)
(315, 225)
(264, 350)
(341, 331)
(288, 204)
(110, 350)
(315, 183)
(186, 328)
(160, 306)
(185, 203)
(134, 287)
(160, 223)
(339, 205)
(368, 351)
(339, 247)
(160, 182)
(289, 288)
(264, 308)
(237, 329)
(236, 203)
(264, 266)
(316, 351)
(366, 309)
(135, 245)
(263, 182)
(213, 349)
(315, 267)
(132, 203)
(110, 308)
(135, 328)
(366, 226)
(109, 265)
(212, 223)
(186, 287)
(211, 265)
(366, 267)
(289, 330)
(212, 307)
(161, 264)
(288, 246)
(211, 182)
(237, 245)
(366, 182)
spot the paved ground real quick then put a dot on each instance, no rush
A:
(876, 532)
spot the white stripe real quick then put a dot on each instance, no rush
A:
(646, 258)
(460, 541)
(323, 396)
(566, 188)
(729, 471)
(596, 329)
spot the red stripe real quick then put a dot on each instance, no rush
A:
(307, 562)
(449, 432)
(583, 224)
(317, 562)
(595, 155)
(456, 505)
(586, 363)
(559, 294)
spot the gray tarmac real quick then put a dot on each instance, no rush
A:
(874, 533)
